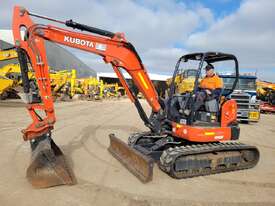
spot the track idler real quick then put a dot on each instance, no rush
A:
(48, 166)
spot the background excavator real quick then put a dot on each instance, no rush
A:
(183, 146)
(266, 93)
(184, 81)
(10, 75)
(61, 84)
(64, 83)
(11, 81)
(7, 54)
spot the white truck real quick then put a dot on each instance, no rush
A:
(245, 95)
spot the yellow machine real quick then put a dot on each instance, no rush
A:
(76, 85)
(266, 93)
(65, 84)
(9, 74)
(112, 91)
(10, 78)
(264, 88)
(184, 82)
(8, 54)
(62, 83)
(5, 85)
(13, 72)
(73, 83)
(92, 88)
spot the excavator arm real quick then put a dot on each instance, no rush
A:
(48, 166)
(112, 47)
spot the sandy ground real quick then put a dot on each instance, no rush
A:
(82, 133)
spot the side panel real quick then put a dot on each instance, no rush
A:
(201, 134)
(228, 113)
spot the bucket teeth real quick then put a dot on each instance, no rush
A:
(48, 166)
(137, 163)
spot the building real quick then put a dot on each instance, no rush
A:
(158, 80)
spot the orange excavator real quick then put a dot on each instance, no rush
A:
(182, 145)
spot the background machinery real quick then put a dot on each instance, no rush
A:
(10, 75)
(183, 146)
(266, 93)
(92, 88)
(6, 86)
(8, 54)
(184, 81)
(61, 84)
(111, 91)
(7, 74)
(64, 83)
(11, 81)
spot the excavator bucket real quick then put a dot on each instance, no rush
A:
(48, 166)
(137, 163)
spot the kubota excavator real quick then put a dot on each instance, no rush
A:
(183, 146)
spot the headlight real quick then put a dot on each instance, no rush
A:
(253, 99)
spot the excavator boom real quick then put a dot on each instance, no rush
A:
(112, 47)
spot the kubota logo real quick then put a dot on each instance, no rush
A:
(81, 42)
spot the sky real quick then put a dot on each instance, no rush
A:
(164, 30)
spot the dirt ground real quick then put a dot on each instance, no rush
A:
(82, 133)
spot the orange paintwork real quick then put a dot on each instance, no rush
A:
(201, 134)
(205, 134)
(113, 51)
(228, 112)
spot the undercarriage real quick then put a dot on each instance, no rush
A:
(179, 158)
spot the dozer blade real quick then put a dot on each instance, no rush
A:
(137, 163)
(48, 167)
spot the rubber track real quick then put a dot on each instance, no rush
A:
(169, 157)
